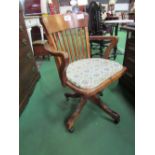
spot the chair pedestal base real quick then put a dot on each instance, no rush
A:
(97, 101)
(75, 115)
(103, 106)
(75, 95)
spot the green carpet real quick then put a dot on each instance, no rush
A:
(42, 130)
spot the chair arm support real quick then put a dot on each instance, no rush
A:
(113, 43)
(65, 61)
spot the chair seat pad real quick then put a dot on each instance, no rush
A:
(91, 72)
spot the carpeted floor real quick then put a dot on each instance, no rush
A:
(42, 130)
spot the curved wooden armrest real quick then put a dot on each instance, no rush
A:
(113, 43)
(65, 61)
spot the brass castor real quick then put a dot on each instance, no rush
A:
(71, 130)
(101, 93)
(117, 120)
(67, 97)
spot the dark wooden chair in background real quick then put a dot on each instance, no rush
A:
(68, 42)
(97, 27)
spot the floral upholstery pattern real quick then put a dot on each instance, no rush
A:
(91, 72)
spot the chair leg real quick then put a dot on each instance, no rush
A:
(101, 50)
(75, 115)
(104, 107)
(74, 95)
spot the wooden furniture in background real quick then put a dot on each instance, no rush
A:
(128, 79)
(131, 16)
(31, 23)
(33, 12)
(32, 7)
(36, 36)
(56, 6)
(132, 9)
(115, 23)
(64, 2)
(39, 50)
(97, 27)
(28, 72)
(69, 43)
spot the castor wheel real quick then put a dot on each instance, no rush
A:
(117, 120)
(71, 130)
(101, 94)
(69, 126)
(116, 117)
(67, 97)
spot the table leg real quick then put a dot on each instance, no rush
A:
(30, 38)
(42, 33)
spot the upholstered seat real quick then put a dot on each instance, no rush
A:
(89, 73)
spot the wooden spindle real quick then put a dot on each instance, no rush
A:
(69, 45)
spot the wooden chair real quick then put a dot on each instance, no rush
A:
(97, 27)
(69, 43)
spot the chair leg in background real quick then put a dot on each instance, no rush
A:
(71, 120)
(113, 114)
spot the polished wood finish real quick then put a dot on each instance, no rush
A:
(28, 72)
(104, 107)
(67, 49)
(128, 79)
(71, 120)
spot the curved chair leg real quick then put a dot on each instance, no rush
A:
(74, 95)
(74, 116)
(104, 107)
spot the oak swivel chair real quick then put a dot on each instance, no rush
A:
(68, 39)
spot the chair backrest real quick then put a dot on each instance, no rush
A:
(68, 33)
(95, 19)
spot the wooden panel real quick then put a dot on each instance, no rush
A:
(63, 22)
(28, 73)
(128, 79)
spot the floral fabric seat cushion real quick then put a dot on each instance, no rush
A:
(91, 72)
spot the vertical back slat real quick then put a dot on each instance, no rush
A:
(65, 44)
(74, 44)
(60, 41)
(78, 43)
(56, 41)
(60, 34)
(69, 45)
(87, 41)
(82, 42)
